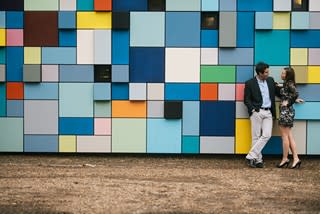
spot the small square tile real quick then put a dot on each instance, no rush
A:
(102, 91)
(226, 92)
(210, 20)
(15, 108)
(102, 73)
(102, 126)
(2, 73)
(120, 20)
(67, 20)
(14, 37)
(155, 109)
(50, 73)
(120, 73)
(155, 91)
(137, 91)
(156, 5)
(173, 109)
(31, 73)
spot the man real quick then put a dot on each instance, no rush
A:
(259, 97)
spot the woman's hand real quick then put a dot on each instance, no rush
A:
(284, 103)
(299, 100)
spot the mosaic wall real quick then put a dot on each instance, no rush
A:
(150, 76)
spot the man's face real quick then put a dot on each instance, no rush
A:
(264, 75)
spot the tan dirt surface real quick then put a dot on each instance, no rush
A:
(155, 184)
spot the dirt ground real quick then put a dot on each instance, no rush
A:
(155, 184)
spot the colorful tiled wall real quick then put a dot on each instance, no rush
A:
(150, 76)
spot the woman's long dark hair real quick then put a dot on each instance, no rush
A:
(290, 75)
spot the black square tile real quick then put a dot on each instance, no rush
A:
(121, 20)
(102, 73)
(173, 109)
(156, 5)
(300, 5)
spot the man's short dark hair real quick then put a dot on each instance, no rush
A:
(261, 67)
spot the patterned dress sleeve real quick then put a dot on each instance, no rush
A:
(292, 94)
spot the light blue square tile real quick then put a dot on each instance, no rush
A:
(11, 132)
(313, 138)
(228, 5)
(2, 19)
(300, 20)
(183, 5)
(147, 29)
(163, 136)
(191, 118)
(120, 73)
(210, 5)
(76, 100)
(102, 91)
(264, 20)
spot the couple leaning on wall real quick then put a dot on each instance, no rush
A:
(259, 97)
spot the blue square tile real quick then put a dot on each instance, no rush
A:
(120, 91)
(273, 147)
(120, 47)
(14, 19)
(129, 5)
(244, 73)
(209, 38)
(67, 20)
(147, 65)
(217, 118)
(67, 38)
(15, 108)
(245, 29)
(183, 29)
(2, 19)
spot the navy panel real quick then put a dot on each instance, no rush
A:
(147, 65)
(129, 5)
(217, 118)
(273, 147)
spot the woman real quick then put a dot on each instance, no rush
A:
(288, 96)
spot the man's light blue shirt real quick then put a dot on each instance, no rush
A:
(266, 102)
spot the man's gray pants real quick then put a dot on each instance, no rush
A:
(261, 131)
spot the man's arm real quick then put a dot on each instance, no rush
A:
(247, 97)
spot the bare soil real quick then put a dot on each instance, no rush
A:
(155, 184)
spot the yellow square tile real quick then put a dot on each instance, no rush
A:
(94, 20)
(243, 136)
(314, 74)
(2, 37)
(67, 143)
(32, 55)
(281, 20)
(299, 56)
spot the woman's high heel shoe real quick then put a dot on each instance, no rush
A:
(284, 164)
(297, 165)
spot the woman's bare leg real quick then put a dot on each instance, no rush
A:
(293, 147)
(285, 143)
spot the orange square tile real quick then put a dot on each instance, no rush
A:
(209, 91)
(124, 108)
(104, 5)
(15, 91)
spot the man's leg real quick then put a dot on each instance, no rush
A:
(265, 136)
(256, 125)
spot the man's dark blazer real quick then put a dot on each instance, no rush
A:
(253, 97)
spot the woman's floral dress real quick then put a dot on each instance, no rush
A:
(287, 93)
